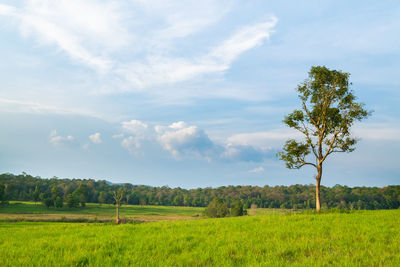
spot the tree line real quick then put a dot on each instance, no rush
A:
(77, 192)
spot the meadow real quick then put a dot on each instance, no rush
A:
(360, 238)
(93, 212)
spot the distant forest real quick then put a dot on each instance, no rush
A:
(28, 188)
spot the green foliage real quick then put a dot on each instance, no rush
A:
(59, 203)
(328, 112)
(366, 238)
(36, 194)
(294, 196)
(102, 197)
(237, 209)
(2, 193)
(217, 209)
(72, 201)
(81, 194)
(48, 202)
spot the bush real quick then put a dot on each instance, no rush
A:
(217, 209)
(237, 209)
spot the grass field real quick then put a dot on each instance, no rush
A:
(362, 238)
(30, 211)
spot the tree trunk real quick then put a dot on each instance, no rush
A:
(317, 191)
(117, 221)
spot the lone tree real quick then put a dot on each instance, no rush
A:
(329, 109)
(118, 196)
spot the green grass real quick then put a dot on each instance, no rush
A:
(362, 238)
(17, 207)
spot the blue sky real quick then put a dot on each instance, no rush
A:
(190, 93)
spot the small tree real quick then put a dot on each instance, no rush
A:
(328, 111)
(237, 208)
(118, 195)
(217, 209)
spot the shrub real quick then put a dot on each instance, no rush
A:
(217, 209)
(237, 209)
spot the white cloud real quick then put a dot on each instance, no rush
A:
(183, 140)
(58, 139)
(378, 131)
(17, 106)
(179, 139)
(95, 138)
(6, 10)
(163, 69)
(245, 153)
(82, 29)
(111, 38)
(257, 170)
(134, 127)
(263, 139)
(131, 144)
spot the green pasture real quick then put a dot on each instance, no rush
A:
(361, 238)
(29, 211)
(18, 207)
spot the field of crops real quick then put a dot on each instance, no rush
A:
(366, 238)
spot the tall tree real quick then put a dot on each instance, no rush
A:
(118, 195)
(328, 110)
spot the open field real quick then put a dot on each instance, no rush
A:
(29, 211)
(362, 238)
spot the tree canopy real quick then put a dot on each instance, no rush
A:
(328, 111)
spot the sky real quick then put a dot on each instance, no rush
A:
(190, 93)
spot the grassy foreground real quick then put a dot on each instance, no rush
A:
(365, 238)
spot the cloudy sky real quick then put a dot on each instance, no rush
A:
(189, 93)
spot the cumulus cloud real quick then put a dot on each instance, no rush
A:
(257, 170)
(138, 132)
(56, 139)
(134, 126)
(180, 139)
(95, 138)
